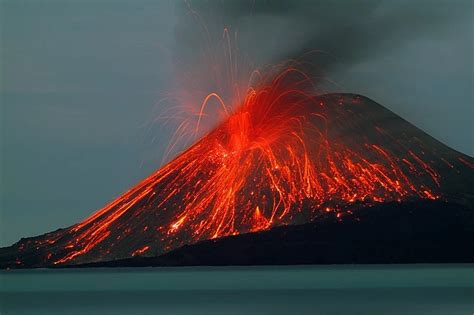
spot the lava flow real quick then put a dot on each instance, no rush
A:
(282, 157)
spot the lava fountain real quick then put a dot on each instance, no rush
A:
(282, 157)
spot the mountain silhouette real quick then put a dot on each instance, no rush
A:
(283, 161)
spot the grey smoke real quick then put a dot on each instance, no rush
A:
(415, 57)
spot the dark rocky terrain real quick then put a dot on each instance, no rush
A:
(412, 232)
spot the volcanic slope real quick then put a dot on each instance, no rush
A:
(278, 160)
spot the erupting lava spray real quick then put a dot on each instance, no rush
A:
(280, 155)
(280, 158)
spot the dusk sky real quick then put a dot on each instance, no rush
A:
(80, 82)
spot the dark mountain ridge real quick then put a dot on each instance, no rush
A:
(412, 232)
(365, 160)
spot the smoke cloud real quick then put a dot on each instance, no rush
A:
(415, 57)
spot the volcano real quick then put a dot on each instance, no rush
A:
(284, 158)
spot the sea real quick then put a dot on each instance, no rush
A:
(290, 290)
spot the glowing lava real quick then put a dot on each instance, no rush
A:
(283, 157)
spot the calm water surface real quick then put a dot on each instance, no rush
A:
(380, 289)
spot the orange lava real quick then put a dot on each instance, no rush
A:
(281, 157)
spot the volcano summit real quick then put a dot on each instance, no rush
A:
(283, 158)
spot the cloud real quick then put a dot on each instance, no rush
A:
(414, 57)
(346, 31)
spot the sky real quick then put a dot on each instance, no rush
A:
(80, 82)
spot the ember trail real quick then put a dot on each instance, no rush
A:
(282, 157)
